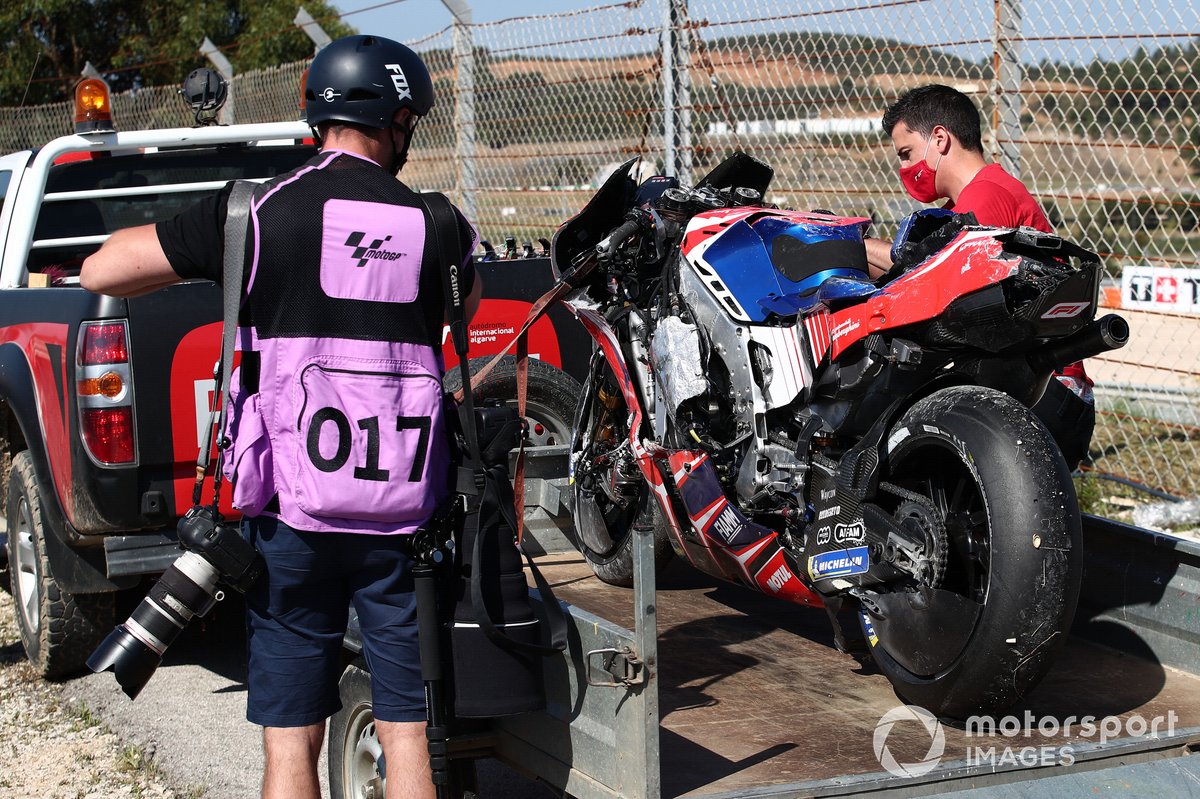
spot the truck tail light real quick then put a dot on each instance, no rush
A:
(104, 390)
(108, 433)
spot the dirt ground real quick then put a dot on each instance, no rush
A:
(54, 750)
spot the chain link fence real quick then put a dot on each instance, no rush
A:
(1097, 110)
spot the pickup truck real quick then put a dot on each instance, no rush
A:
(104, 401)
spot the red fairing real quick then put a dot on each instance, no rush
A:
(970, 263)
(743, 551)
(599, 330)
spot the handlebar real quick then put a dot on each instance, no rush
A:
(617, 238)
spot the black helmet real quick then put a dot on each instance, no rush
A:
(365, 80)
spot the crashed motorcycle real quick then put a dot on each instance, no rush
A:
(783, 422)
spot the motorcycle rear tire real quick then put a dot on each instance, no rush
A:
(1033, 546)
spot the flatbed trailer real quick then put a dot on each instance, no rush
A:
(713, 691)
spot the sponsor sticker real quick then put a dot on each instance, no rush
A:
(849, 533)
(839, 563)
(869, 628)
(1066, 310)
(823, 536)
(829, 512)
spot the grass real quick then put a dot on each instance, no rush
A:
(1161, 455)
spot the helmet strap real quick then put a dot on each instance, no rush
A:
(399, 159)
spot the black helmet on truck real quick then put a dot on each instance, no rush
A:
(365, 80)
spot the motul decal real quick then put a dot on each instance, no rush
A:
(776, 578)
(1066, 310)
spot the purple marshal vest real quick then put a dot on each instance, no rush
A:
(336, 409)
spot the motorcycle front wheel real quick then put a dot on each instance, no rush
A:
(609, 496)
(983, 479)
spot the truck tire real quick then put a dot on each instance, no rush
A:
(551, 396)
(354, 750)
(59, 630)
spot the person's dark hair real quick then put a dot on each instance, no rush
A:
(925, 107)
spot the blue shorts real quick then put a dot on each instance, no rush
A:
(296, 615)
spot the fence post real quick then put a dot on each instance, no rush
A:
(676, 90)
(464, 105)
(1006, 86)
(218, 59)
(312, 29)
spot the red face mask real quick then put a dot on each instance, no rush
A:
(919, 179)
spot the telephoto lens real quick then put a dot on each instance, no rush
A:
(134, 649)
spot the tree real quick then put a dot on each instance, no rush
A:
(45, 44)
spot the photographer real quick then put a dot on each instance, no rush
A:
(339, 449)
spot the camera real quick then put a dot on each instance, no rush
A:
(215, 553)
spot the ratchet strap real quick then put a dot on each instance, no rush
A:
(444, 222)
(566, 284)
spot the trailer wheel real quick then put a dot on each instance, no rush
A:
(58, 629)
(356, 764)
(355, 756)
(551, 396)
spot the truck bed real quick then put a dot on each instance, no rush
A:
(755, 701)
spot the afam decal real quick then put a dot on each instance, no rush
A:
(849, 533)
(839, 563)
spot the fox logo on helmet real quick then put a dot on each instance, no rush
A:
(400, 82)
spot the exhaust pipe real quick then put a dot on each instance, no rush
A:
(1107, 333)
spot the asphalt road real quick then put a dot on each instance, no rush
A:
(192, 715)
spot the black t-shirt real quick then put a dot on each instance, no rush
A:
(194, 241)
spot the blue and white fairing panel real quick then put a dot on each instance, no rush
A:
(764, 262)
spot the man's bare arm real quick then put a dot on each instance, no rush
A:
(879, 256)
(130, 263)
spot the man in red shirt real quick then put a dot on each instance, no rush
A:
(936, 131)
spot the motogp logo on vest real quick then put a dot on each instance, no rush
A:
(372, 251)
(399, 81)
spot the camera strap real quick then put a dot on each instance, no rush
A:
(237, 222)
(445, 230)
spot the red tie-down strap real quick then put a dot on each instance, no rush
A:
(566, 284)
